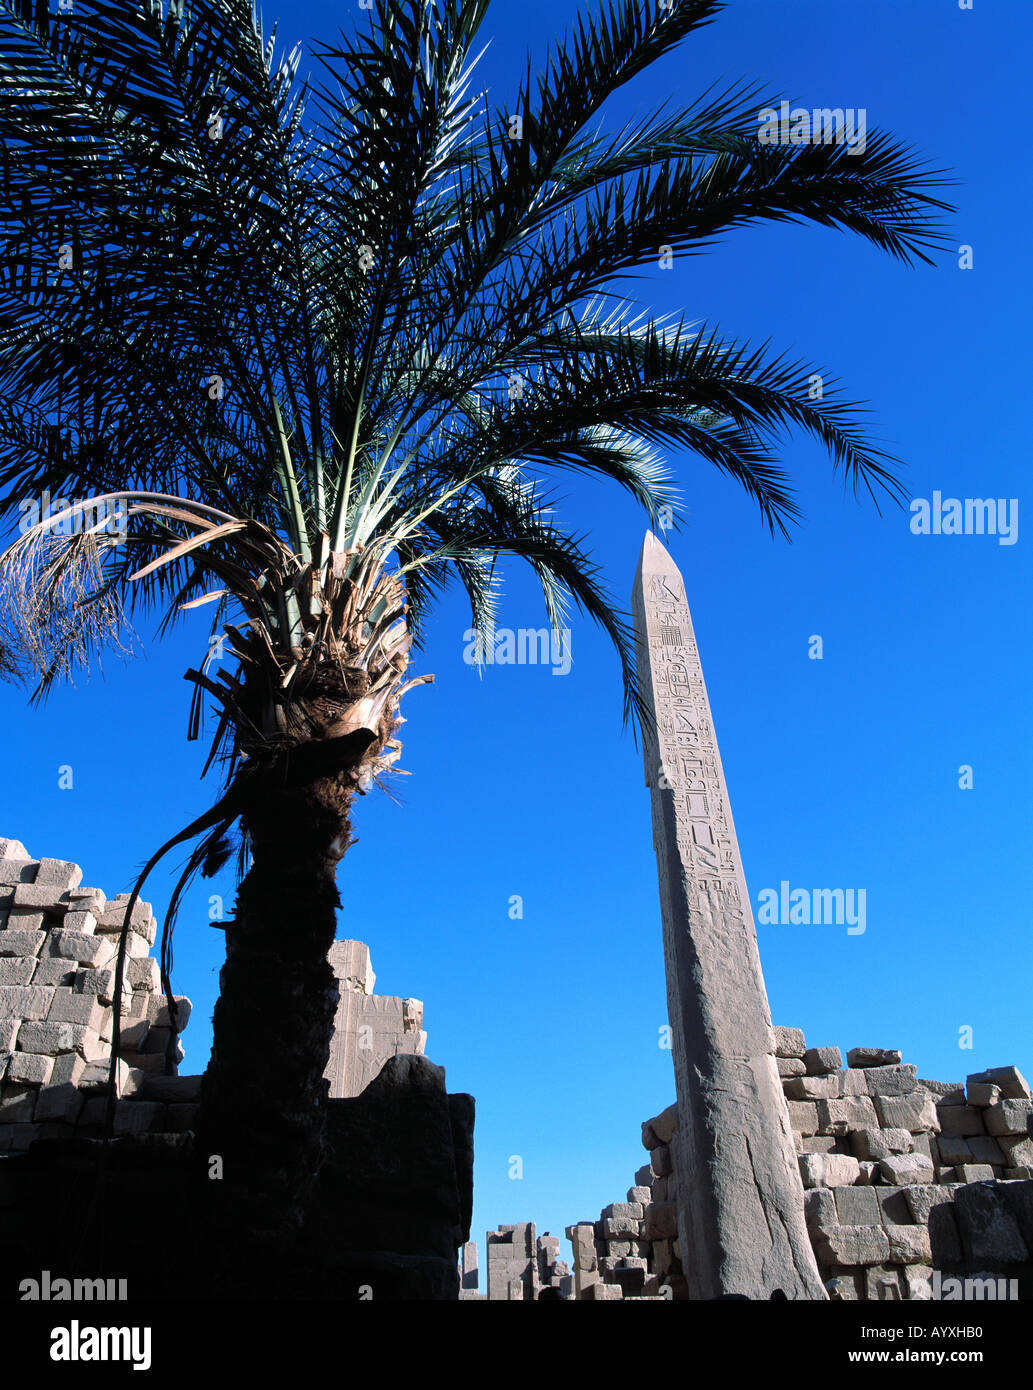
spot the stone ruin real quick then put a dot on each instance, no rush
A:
(58, 942)
(520, 1266)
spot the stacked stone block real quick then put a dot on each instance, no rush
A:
(520, 1264)
(58, 948)
(368, 1028)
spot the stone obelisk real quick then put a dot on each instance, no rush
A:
(740, 1198)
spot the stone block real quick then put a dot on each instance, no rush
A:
(15, 871)
(872, 1057)
(8, 1033)
(952, 1149)
(1017, 1150)
(143, 972)
(909, 1245)
(45, 897)
(15, 942)
(989, 1232)
(821, 1208)
(894, 1080)
(29, 1069)
(869, 1173)
(93, 951)
(52, 971)
(811, 1087)
(1008, 1117)
(843, 1288)
(1012, 1083)
(856, 1245)
(643, 1178)
(80, 920)
(626, 1209)
(46, 1038)
(901, 1170)
(664, 1124)
(17, 1103)
(960, 1120)
(852, 1083)
(159, 1016)
(789, 1042)
(915, 1113)
(660, 1161)
(136, 1116)
(25, 1001)
(880, 1143)
(26, 919)
(642, 1195)
(58, 873)
(16, 970)
(986, 1149)
(602, 1293)
(69, 1007)
(820, 1144)
(819, 1061)
(857, 1206)
(790, 1066)
(803, 1116)
(923, 1144)
(982, 1093)
(68, 1067)
(617, 1249)
(974, 1172)
(842, 1116)
(828, 1170)
(894, 1209)
(946, 1092)
(14, 850)
(620, 1227)
(883, 1284)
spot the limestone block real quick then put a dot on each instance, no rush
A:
(857, 1245)
(872, 1057)
(58, 872)
(1008, 1117)
(803, 1116)
(989, 1232)
(1013, 1084)
(916, 1112)
(901, 1170)
(857, 1206)
(880, 1143)
(29, 1069)
(891, 1080)
(961, 1120)
(94, 951)
(25, 1001)
(52, 970)
(819, 1061)
(1017, 1149)
(14, 942)
(17, 1103)
(44, 896)
(790, 1066)
(842, 1116)
(974, 1172)
(828, 1170)
(85, 1009)
(660, 1221)
(789, 1042)
(893, 1206)
(981, 1093)
(16, 970)
(80, 920)
(812, 1087)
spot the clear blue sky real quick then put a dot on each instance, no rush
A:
(843, 772)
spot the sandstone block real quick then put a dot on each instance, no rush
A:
(8, 1033)
(16, 970)
(960, 1120)
(46, 1038)
(974, 1172)
(953, 1149)
(989, 1232)
(828, 1170)
(852, 1083)
(665, 1124)
(643, 1178)
(915, 1113)
(790, 1066)
(29, 1069)
(94, 951)
(602, 1293)
(821, 1209)
(819, 1061)
(85, 1009)
(15, 871)
(893, 1206)
(901, 1170)
(891, 1080)
(13, 850)
(660, 1221)
(981, 1093)
(872, 1057)
(159, 1016)
(44, 896)
(25, 1001)
(1013, 1084)
(80, 920)
(26, 919)
(869, 1173)
(14, 942)
(789, 1042)
(857, 1245)
(68, 1067)
(143, 972)
(17, 1103)
(641, 1195)
(1008, 1117)
(811, 1087)
(803, 1116)
(660, 1161)
(841, 1116)
(1017, 1149)
(986, 1149)
(880, 1143)
(857, 1206)
(52, 970)
(883, 1284)
(59, 873)
(620, 1227)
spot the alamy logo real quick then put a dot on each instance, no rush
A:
(832, 907)
(824, 125)
(969, 516)
(526, 646)
(83, 514)
(977, 1288)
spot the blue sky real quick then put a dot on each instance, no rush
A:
(843, 772)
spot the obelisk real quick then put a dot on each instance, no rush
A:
(740, 1197)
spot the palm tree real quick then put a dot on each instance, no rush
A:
(312, 351)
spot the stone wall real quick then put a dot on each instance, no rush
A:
(910, 1186)
(368, 1028)
(521, 1265)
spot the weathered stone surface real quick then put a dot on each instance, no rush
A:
(159, 1015)
(901, 1170)
(803, 1116)
(812, 1087)
(915, 1113)
(960, 1120)
(59, 873)
(872, 1057)
(25, 1001)
(790, 1066)
(616, 1227)
(852, 1083)
(66, 1006)
(989, 1232)
(1017, 1150)
(909, 1245)
(602, 1293)
(1008, 1117)
(29, 1069)
(953, 1149)
(642, 1195)
(857, 1245)
(974, 1172)
(789, 1042)
(21, 943)
(664, 1124)
(890, 1080)
(52, 970)
(842, 1116)
(16, 970)
(821, 1208)
(828, 1170)
(741, 1222)
(893, 1205)
(1013, 1084)
(87, 949)
(981, 1093)
(44, 896)
(819, 1061)
(857, 1206)
(880, 1143)
(661, 1221)
(986, 1149)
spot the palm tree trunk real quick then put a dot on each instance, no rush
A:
(263, 1101)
